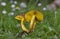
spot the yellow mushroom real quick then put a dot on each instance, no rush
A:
(28, 15)
(33, 16)
(32, 24)
(21, 18)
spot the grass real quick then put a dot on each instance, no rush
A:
(49, 28)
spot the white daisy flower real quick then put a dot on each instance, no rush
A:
(23, 5)
(3, 3)
(11, 14)
(39, 4)
(13, 6)
(44, 8)
(15, 2)
(4, 12)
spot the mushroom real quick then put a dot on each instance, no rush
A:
(33, 17)
(21, 18)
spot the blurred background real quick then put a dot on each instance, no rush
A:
(49, 28)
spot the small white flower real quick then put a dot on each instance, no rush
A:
(13, 6)
(4, 11)
(39, 4)
(15, 2)
(23, 5)
(3, 3)
(44, 8)
(11, 13)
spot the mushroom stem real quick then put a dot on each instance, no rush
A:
(23, 27)
(32, 24)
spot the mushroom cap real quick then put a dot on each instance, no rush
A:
(20, 17)
(28, 15)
